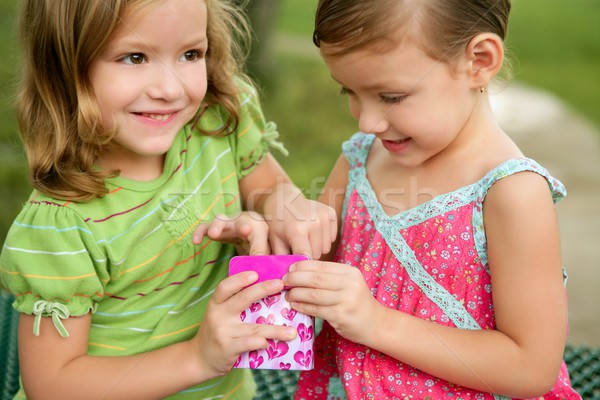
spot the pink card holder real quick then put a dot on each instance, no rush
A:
(298, 353)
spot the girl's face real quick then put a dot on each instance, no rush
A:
(414, 104)
(149, 82)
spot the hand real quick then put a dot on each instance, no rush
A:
(337, 293)
(223, 336)
(248, 231)
(298, 225)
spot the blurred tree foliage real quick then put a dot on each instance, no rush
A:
(262, 15)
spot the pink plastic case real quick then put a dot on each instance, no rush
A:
(297, 354)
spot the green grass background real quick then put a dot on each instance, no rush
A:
(554, 45)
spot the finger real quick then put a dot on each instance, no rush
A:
(257, 236)
(266, 331)
(313, 310)
(251, 337)
(332, 227)
(227, 230)
(326, 238)
(259, 245)
(251, 294)
(301, 244)
(314, 280)
(319, 275)
(316, 244)
(199, 233)
(318, 297)
(232, 285)
(278, 246)
(328, 267)
(219, 227)
(333, 224)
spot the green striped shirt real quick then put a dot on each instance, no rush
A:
(129, 258)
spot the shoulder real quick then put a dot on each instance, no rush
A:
(40, 206)
(521, 198)
(519, 187)
(521, 177)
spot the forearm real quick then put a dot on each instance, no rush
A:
(267, 186)
(485, 360)
(152, 375)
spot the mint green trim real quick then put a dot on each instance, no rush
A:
(57, 311)
(270, 137)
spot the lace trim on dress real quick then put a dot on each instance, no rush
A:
(356, 151)
(390, 231)
(504, 170)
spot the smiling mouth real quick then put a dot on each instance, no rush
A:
(398, 141)
(157, 117)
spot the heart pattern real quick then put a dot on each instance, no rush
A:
(304, 359)
(306, 333)
(296, 354)
(288, 313)
(272, 299)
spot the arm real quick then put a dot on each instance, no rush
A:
(296, 224)
(522, 357)
(56, 367)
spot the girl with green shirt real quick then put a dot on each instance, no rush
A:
(140, 130)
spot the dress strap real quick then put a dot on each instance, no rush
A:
(356, 150)
(507, 168)
(515, 165)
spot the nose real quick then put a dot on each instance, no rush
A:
(165, 83)
(372, 119)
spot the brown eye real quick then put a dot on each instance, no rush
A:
(191, 55)
(134, 59)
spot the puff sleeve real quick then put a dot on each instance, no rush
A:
(51, 263)
(251, 141)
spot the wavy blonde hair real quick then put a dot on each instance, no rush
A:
(59, 118)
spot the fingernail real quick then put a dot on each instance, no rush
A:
(252, 276)
(292, 267)
(291, 333)
(276, 283)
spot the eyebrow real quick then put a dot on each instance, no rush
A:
(135, 42)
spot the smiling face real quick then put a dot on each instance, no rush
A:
(149, 82)
(415, 105)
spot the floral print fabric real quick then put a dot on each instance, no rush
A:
(428, 261)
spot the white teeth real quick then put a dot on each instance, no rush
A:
(158, 117)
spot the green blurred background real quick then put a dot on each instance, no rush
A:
(553, 44)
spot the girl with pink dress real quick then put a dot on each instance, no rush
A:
(447, 280)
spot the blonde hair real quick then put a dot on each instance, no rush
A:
(443, 28)
(59, 118)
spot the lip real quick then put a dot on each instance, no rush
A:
(157, 118)
(396, 146)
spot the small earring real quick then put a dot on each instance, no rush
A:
(481, 89)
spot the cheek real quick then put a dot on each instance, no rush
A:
(196, 84)
(107, 108)
(354, 107)
(198, 90)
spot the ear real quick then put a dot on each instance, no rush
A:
(485, 53)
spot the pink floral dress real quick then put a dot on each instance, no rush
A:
(429, 261)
